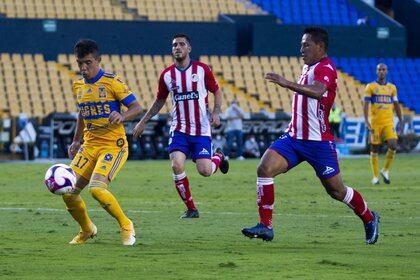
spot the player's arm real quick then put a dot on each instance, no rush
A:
(316, 90)
(133, 110)
(78, 135)
(366, 103)
(140, 126)
(217, 109)
(397, 108)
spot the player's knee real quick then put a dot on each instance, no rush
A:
(96, 188)
(264, 171)
(177, 167)
(393, 145)
(204, 172)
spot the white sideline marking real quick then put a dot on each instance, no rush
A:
(204, 212)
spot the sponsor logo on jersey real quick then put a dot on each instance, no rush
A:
(328, 170)
(95, 109)
(102, 92)
(321, 117)
(204, 152)
(188, 95)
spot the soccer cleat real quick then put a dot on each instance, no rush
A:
(82, 237)
(128, 235)
(375, 181)
(372, 229)
(259, 231)
(190, 214)
(385, 176)
(224, 163)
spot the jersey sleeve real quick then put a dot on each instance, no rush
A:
(394, 94)
(122, 92)
(368, 93)
(75, 91)
(209, 80)
(162, 91)
(325, 74)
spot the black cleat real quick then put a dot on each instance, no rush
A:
(190, 214)
(259, 231)
(372, 229)
(224, 163)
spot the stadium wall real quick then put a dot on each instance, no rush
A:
(345, 41)
(52, 37)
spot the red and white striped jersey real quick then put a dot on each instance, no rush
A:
(188, 88)
(309, 115)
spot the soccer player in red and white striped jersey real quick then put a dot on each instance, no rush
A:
(188, 82)
(308, 138)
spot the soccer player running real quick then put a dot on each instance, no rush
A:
(308, 138)
(382, 97)
(104, 150)
(188, 83)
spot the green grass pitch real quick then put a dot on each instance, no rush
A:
(315, 236)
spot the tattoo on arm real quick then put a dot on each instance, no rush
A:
(217, 108)
(157, 105)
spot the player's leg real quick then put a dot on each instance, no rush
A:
(82, 165)
(391, 139)
(337, 190)
(182, 184)
(276, 160)
(324, 160)
(375, 144)
(108, 165)
(178, 151)
(201, 154)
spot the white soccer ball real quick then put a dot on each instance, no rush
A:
(60, 179)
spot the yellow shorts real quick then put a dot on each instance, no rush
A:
(106, 161)
(382, 132)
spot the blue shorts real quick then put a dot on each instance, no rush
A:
(321, 155)
(194, 146)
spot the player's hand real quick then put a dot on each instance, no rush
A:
(215, 119)
(138, 130)
(115, 117)
(368, 127)
(74, 147)
(276, 79)
(400, 128)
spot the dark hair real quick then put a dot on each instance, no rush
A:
(182, 35)
(318, 35)
(85, 47)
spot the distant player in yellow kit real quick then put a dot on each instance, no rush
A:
(382, 97)
(104, 150)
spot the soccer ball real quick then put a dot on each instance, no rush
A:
(60, 179)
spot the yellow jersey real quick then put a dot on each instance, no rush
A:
(381, 98)
(96, 99)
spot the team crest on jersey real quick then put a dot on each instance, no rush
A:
(89, 91)
(195, 78)
(102, 92)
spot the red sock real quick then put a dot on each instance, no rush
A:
(265, 200)
(182, 185)
(356, 202)
(215, 162)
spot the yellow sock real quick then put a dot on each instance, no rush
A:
(77, 208)
(374, 164)
(389, 158)
(108, 202)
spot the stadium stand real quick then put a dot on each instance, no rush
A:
(190, 10)
(63, 9)
(27, 89)
(319, 12)
(403, 72)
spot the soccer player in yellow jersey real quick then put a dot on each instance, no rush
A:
(383, 100)
(104, 150)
